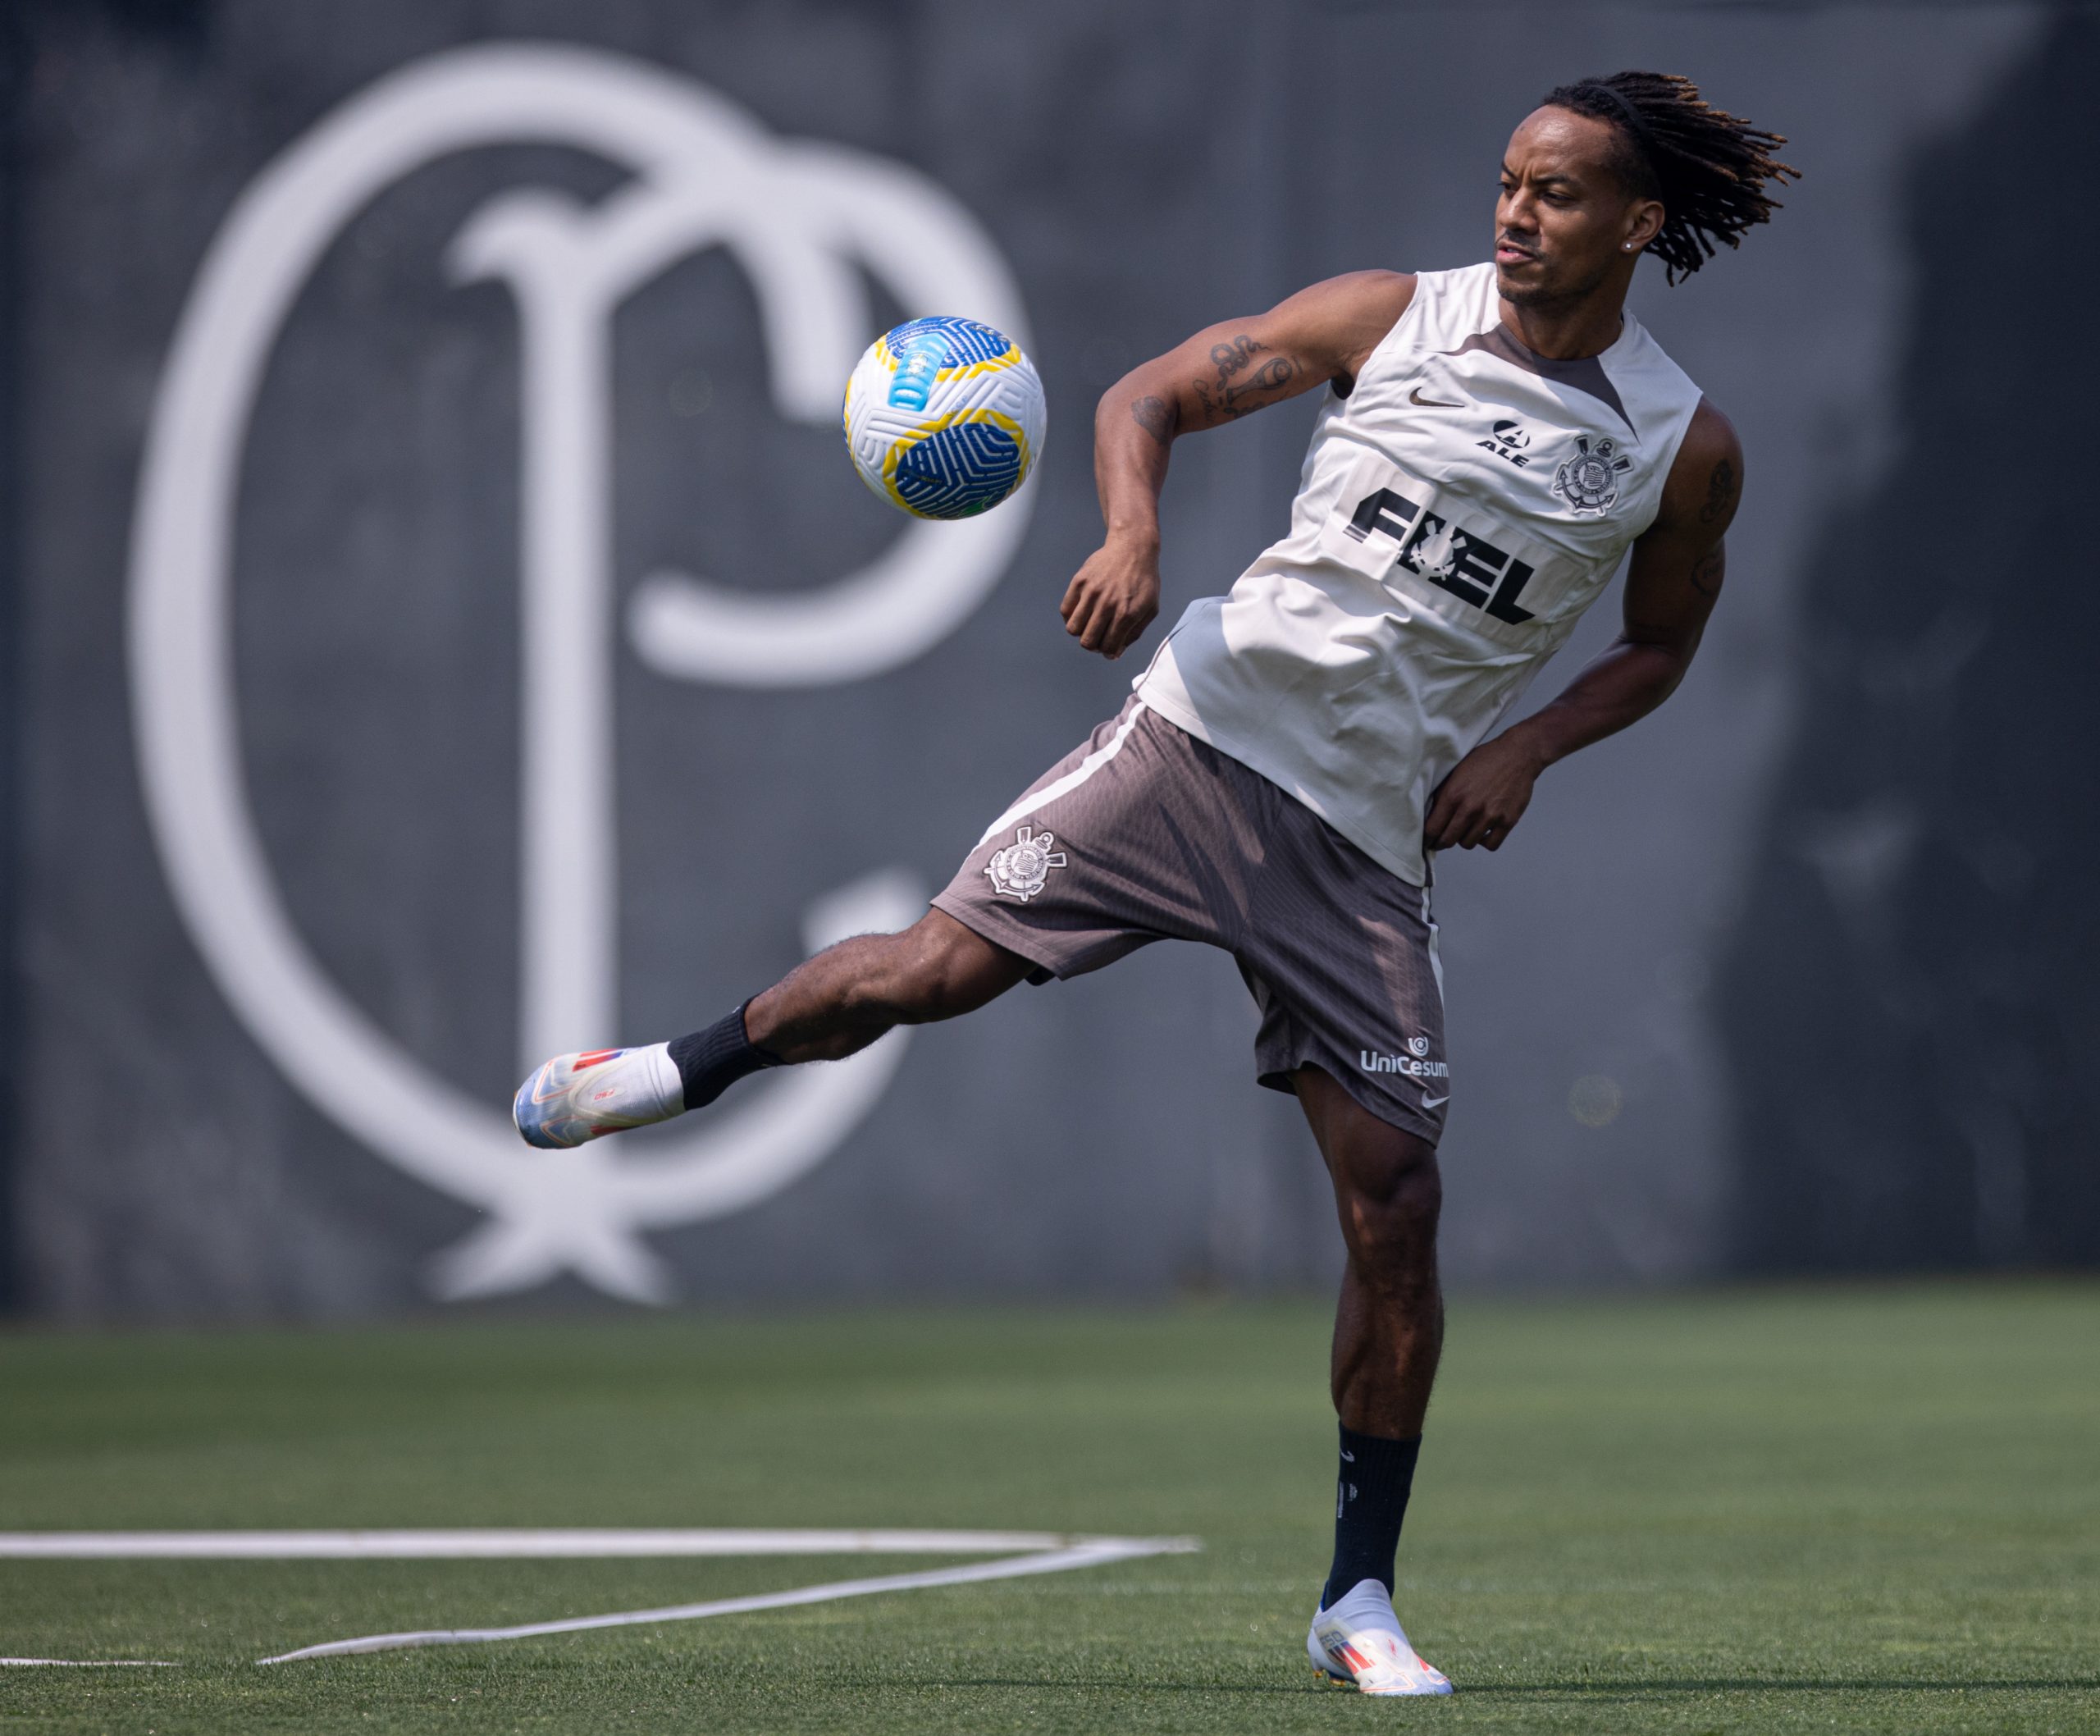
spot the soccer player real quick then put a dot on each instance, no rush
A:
(1491, 442)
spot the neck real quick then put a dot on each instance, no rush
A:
(1569, 331)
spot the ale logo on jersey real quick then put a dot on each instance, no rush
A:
(814, 225)
(1507, 440)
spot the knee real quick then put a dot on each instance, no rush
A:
(1390, 1204)
(920, 975)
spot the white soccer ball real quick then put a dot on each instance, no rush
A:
(944, 416)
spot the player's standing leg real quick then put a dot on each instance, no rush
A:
(1388, 1327)
(1389, 1333)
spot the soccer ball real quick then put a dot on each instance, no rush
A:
(944, 416)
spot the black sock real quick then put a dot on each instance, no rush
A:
(709, 1061)
(1376, 1475)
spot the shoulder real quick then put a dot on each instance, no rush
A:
(1705, 481)
(1367, 291)
(1345, 318)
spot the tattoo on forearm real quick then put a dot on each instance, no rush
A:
(1228, 395)
(1156, 416)
(1720, 492)
(1706, 573)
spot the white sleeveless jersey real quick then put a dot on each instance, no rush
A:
(1457, 513)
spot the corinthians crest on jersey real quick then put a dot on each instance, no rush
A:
(1022, 869)
(1588, 480)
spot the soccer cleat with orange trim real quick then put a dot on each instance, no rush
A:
(578, 1098)
(1359, 1643)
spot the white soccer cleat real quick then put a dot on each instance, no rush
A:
(577, 1098)
(1359, 1643)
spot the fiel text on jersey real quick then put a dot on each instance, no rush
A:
(1460, 561)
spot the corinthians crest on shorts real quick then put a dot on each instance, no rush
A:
(1020, 868)
(1588, 482)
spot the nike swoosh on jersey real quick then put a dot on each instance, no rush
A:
(1432, 404)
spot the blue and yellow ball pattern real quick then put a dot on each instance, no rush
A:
(944, 416)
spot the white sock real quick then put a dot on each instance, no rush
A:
(658, 1092)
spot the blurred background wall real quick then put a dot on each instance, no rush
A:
(1794, 976)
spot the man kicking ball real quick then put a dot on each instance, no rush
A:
(1493, 440)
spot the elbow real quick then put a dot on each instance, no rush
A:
(1666, 653)
(1133, 398)
(1675, 665)
(1659, 666)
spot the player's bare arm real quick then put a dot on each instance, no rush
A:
(1320, 335)
(1673, 581)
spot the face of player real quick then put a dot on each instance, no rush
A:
(1564, 218)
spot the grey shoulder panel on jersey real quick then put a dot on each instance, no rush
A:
(1585, 375)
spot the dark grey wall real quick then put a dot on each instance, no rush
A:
(1142, 171)
(14, 56)
(1926, 870)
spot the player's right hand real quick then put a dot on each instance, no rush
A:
(1112, 599)
(1485, 795)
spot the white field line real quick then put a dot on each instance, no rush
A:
(87, 1663)
(1090, 1553)
(494, 1544)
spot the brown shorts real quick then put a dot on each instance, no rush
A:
(1146, 834)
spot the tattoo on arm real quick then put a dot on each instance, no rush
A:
(1720, 492)
(1230, 395)
(1706, 573)
(1156, 416)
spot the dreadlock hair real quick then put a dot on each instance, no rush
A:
(1709, 168)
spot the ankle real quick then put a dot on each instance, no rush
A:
(1377, 1477)
(760, 1015)
(709, 1061)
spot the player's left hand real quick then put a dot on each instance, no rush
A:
(1484, 797)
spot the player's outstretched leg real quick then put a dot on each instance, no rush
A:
(828, 1008)
(1389, 1332)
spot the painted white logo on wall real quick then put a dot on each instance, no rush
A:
(803, 218)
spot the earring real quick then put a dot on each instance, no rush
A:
(1626, 247)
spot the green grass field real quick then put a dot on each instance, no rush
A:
(1871, 1509)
